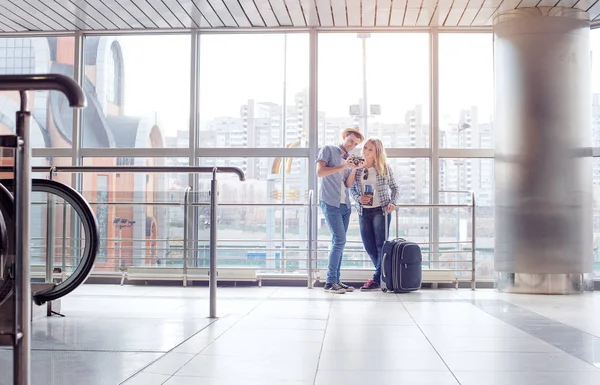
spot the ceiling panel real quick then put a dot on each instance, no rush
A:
(567, 3)
(203, 10)
(296, 13)
(441, 13)
(182, 14)
(112, 15)
(266, 11)
(353, 11)
(368, 13)
(256, 18)
(79, 12)
(91, 9)
(594, 11)
(338, 10)
(102, 15)
(133, 10)
(455, 14)
(21, 17)
(483, 17)
(382, 18)
(310, 12)
(397, 13)
(410, 16)
(584, 5)
(35, 14)
(281, 13)
(233, 8)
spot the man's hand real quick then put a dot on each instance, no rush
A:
(350, 163)
(390, 207)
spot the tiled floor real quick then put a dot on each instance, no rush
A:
(274, 336)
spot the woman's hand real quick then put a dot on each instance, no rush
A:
(365, 199)
(391, 207)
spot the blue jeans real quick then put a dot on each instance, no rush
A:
(338, 219)
(373, 234)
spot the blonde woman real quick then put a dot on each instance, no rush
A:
(375, 193)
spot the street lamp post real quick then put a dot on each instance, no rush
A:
(459, 163)
(365, 113)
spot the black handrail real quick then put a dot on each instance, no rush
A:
(90, 228)
(55, 82)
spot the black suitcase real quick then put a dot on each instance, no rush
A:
(401, 270)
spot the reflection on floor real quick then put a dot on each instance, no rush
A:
(274, 336)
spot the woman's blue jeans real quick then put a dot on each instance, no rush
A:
(373, 234)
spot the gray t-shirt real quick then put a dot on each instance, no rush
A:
(331, 186)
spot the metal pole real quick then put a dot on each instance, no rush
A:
(473, 251)
(310, 240)
(186, 238)
(364, 90)
(434, 118)
(282, 229)
(64, 241)
(50, 239)
(22, 202)
(213, 246)
(313, 129)
(50, 233)
(458, 167)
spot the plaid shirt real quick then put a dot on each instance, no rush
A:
(387, 189)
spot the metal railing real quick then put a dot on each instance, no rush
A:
(193, 246)
(19, 336)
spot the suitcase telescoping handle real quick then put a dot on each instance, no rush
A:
(385, 215)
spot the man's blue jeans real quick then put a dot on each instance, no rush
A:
(338, 219)
(373, 234)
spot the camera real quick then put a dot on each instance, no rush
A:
(357, 159)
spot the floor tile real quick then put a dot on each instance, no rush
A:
(412, 361)
(385, 377)
(169, 364)
(182, 380)
(147, 379)
(527, 378)
(246, 367)
(517, 362)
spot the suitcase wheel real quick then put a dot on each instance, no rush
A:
(384, 290)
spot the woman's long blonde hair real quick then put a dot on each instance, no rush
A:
(380, 157)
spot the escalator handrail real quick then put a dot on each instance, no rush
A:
(90, 228)
(8, 248)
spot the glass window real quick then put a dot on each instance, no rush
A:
(38, 55)
(596, 180)
(138, 90)
(140, 214)
(466, 90)
(378, 82)
(476, 175)
(250, 233)
(255, 92)
(595, 74)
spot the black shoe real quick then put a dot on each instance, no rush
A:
(346, 287)
(334, 288)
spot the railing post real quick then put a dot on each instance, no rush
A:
(50, 239)
(22, 202)
(473, 250)
(212, 279)
(186, 239)
(309, 255)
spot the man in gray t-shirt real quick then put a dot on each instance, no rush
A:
(333, 164)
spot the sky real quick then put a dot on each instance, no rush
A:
(238, 67)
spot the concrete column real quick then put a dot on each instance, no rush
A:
(543, 156)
